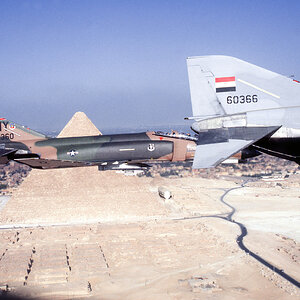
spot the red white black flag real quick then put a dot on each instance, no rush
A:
(225, 84)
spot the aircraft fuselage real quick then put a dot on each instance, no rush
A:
(106, 151)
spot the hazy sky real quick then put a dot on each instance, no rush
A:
(123, 62)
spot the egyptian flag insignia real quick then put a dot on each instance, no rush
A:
(225, 84)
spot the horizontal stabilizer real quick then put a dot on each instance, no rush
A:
(210, 155)
(216, 145)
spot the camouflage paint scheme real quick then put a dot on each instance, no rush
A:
(36, 150)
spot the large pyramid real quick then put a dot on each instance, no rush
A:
(79, 125)
(80, 194)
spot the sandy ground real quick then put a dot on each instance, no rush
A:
(80, 233)
(137, 245)
(283, 216)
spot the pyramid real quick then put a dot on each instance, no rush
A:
(79, 125)
(80, 194)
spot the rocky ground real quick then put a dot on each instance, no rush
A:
(11, 176)
(258, 167)
(263, 166)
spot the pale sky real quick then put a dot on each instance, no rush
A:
(124, 62)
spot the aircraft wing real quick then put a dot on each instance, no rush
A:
(40, 163)
(5, 152)
(4, 155)
(216, 145)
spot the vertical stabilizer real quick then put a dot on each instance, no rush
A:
(205, 103)
(226, 85)
(12, 132)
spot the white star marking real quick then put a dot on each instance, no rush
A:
(72, 153)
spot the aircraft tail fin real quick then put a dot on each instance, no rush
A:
(224, 85)
(205, 102)
(10, 131)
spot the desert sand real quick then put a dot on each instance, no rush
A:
(81, 233)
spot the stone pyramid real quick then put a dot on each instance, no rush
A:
(80, 195)
(79, 125)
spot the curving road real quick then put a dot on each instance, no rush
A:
(244, 232)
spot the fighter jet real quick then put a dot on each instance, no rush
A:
(108, 152)
(238, 106)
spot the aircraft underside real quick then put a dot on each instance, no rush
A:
(286, 148)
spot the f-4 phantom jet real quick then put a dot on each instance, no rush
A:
(238, 106)
(108, 152)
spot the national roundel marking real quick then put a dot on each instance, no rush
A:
(12, 126)
(151, 147)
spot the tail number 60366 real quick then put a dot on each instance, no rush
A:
(242, 99)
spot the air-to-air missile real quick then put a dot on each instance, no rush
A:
(108, 152)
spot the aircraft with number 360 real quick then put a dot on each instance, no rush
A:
(108, 152)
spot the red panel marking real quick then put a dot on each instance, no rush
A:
(225, 79)
(161, 138)
(2, 119)
(296, 80)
